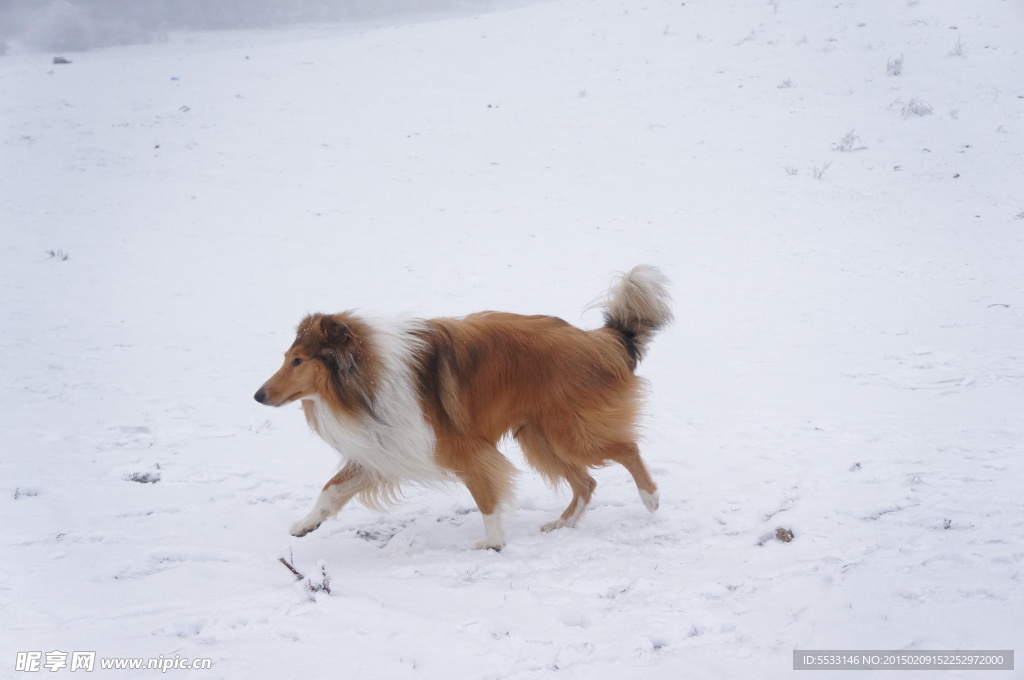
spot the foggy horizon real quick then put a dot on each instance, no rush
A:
(78, 25)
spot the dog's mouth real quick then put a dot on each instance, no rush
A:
(261, 397)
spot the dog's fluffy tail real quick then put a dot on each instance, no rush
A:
(636, 307)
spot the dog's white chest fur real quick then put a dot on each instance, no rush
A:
(389, 451)
(397, 446)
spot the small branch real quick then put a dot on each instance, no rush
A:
(298, 576)
(323, 587)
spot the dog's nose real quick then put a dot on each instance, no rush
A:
(261, 396)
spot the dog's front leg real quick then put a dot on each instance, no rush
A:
(338, 491)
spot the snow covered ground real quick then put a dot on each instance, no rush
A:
(845, 244)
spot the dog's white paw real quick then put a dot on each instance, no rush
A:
(569, 521)
(557, 524)
(650, 500)
(489, 544)
(495, 536)
(302, 527)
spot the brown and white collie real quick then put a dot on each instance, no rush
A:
(425, 401)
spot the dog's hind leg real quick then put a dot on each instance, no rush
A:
(542, 456)
(338, 491)
(627, 454)
(583, 486)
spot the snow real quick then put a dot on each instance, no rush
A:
(846, 363)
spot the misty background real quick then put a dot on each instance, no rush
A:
(75, 25)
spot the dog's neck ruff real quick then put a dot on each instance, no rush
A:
(395, 444)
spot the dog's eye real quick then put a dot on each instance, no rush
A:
(296, 361)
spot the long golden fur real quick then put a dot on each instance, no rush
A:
(427, 400)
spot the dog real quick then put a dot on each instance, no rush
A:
(426, 401)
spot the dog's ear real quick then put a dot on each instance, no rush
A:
(336, 333)
(340, 345)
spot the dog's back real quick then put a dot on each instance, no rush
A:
(489, 373)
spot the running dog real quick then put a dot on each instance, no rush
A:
(426, 401)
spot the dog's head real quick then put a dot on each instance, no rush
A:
(329, 358)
